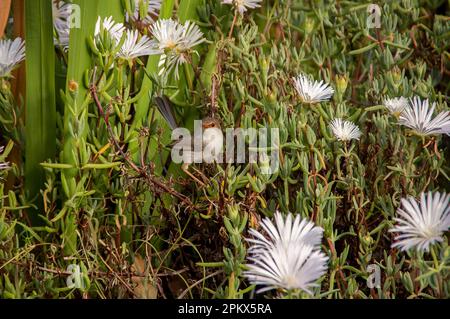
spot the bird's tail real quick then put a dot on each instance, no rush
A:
(165, 108)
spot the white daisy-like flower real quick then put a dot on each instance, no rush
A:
(61, 14)
(312, 91)
(289, 258)
(172, 35)
(153, 6)
(419, 117)
(168, 33)
(286, 229)
(115, 30)
(420, 225)
(175, 42)
(11, 54)
(243, 5)
(134, 46)
(345, 130)
(396, 105)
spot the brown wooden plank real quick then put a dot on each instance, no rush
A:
(5, 6)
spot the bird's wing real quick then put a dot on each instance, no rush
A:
(165, 108)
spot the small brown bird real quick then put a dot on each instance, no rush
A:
(212, 141)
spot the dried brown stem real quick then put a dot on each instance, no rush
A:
(141, 171)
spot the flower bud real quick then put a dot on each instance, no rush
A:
(341, 83)
(73, 86)
(309, 26)
(272, 97)
(5, 85)
(396, 75)
(233, 212)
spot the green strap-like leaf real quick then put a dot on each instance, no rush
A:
(79, 62)
(40, 94)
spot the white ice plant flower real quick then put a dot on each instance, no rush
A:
(420, 225)
(243, 5)
(168, 34)
(312, 91)
(134, 47)
(396, 105)
(175, 41)
(419, 118)
(285, 230)
(61, 21)
(287, 255)
(12, 52)
(152, 6)
(344, 130)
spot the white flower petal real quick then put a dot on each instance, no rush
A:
(3, 165)
(396, 105)
(176, 41)
(153, 6)
(345, 130)
(11, 54)
(243, 5)
(115, 29)
(312, 91)
(134, 46)
(289, 257)
(420, 225)
(61, 21)
(419, 117)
